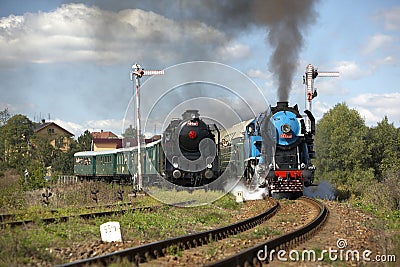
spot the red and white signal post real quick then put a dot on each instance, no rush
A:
(308, 80)
(138, 72)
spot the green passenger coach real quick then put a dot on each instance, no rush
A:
(118, 164)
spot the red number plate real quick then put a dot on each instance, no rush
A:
(283, 135)
(192, 123)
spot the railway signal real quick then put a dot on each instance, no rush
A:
(138, 72)
(310, 74)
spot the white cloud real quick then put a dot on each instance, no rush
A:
(234, 51)
(264, 75)
(387, 60)
(392, 18)
(319, 108)
(376, 42)
(112, 125)
(72, 127)
(330, 86)
(76, 32)
(373, 107)
(350, 70)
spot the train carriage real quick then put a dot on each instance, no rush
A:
(233, 155)
(153, 158)
(85, 164)
(118, 164)
(106, 163)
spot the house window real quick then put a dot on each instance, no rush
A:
(50, 130)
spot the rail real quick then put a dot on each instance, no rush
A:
(249, 257)
(153, 250)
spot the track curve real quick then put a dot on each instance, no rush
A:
(249, 257)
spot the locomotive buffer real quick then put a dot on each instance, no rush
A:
(138, 72)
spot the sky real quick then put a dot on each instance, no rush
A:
(70, 61)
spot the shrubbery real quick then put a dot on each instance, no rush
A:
(362, 162)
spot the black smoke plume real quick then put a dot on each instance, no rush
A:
(286, 22)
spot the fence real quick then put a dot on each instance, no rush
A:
(67, 179)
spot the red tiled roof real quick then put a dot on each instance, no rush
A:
(104, 135)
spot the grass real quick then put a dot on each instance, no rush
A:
(31, 244)
(259, 232)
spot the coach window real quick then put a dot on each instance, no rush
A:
(86, 161)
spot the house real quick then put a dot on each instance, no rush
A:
(105, 141)
(58, 136)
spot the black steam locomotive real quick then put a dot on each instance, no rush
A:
(191, 151)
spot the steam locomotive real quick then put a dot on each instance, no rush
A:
(291, 166)
(191, 151)
(275, 149)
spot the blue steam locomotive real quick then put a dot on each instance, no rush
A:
(291, 166)
(276, 149)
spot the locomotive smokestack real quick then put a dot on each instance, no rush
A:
(282, 104)
(190, 114)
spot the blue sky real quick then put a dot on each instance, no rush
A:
(71, 59)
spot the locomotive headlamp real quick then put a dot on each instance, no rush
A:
(286, 128)
(192, 134)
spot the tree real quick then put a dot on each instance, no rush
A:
(41, 150)
(4, 116)
(15, 141)
(63, 162)
(130, 132)
(384, 143)
(85, 141)
(130, 136)
(342, 151)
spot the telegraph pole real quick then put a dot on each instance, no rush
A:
(138, 72)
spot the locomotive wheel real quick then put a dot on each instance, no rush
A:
(287, 195)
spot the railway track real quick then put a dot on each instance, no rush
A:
(8, 220)
(6, 217)
(247, 257)
(251, 256)
(153, 250)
